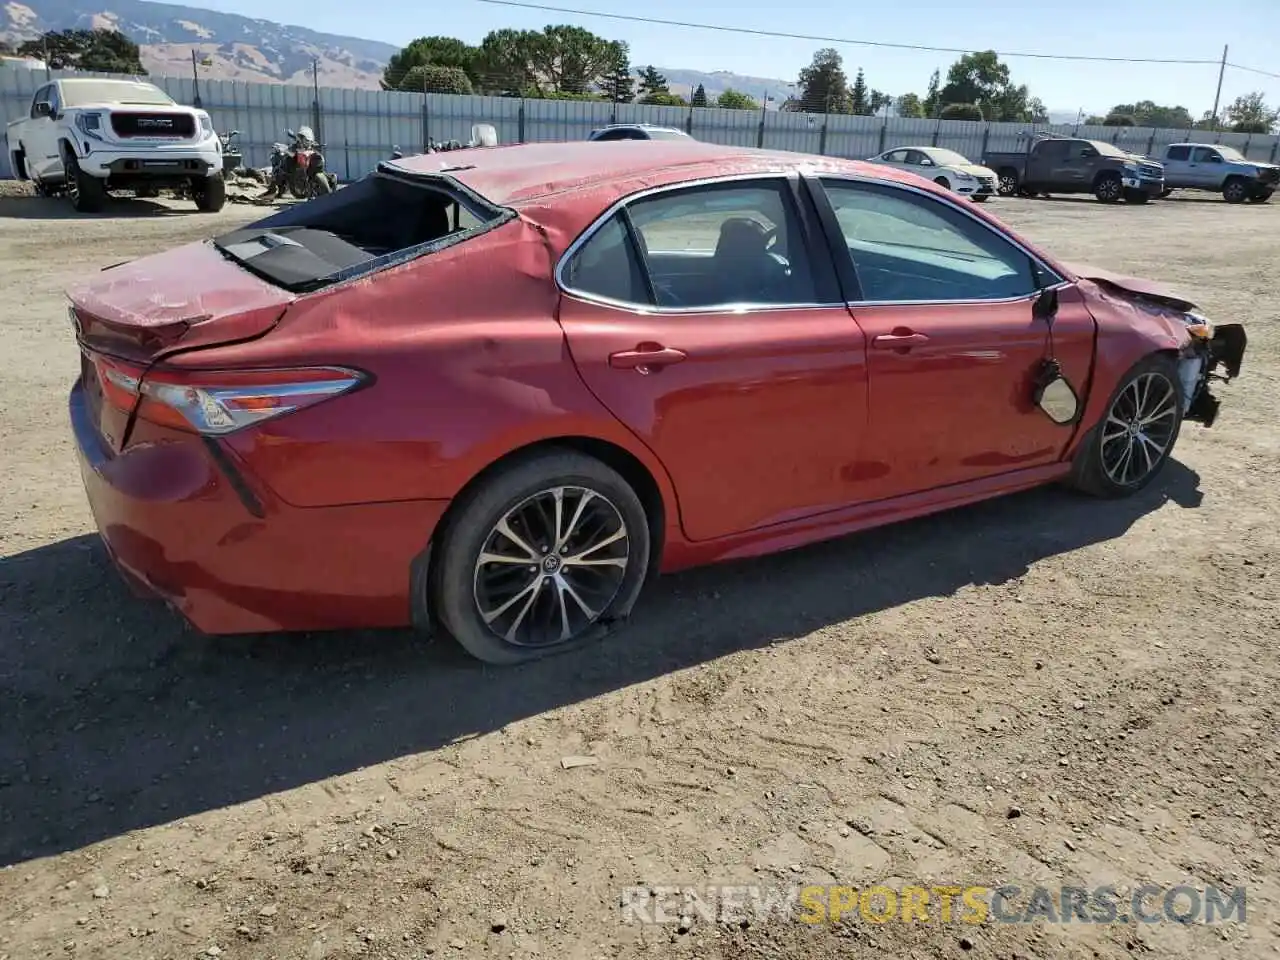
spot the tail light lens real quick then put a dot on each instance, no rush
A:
(216, 402)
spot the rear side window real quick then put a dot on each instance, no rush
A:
(1179, 153)
(607, 266)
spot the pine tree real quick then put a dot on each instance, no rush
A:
(859, 98)
(699, 98)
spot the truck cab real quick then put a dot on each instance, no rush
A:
(1219, 169)
(1071, 165)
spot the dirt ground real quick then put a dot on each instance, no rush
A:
(1040, 690)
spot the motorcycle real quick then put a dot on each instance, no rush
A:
(299, 167)
(232, 156)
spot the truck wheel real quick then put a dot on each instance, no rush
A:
(1007, 182)
(1235, 190)
(210, 193)
(1262, 197)
(1108, 188)
(87, 194)
(943, 182)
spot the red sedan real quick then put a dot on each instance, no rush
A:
(494, 393)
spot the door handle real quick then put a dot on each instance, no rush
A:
(646, 356)
(903, 340)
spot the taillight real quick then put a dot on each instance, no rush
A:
(215, 402)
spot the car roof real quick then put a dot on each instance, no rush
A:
(521, 173)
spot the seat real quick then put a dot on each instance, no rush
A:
(743, 268)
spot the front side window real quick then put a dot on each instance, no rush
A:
(711, 246)
(43, 95)
(1205, 155)
(907, 247)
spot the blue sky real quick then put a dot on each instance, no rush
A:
(1171, 29)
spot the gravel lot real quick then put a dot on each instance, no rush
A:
(1041, 690)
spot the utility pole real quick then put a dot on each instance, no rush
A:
(195, 80)
(1217, 97)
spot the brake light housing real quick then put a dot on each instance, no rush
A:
(219, 402)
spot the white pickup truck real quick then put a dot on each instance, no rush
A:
(83, 137)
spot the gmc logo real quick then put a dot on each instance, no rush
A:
(154, 122)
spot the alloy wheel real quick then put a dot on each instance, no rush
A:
(551, 566)
(1109, 189)
(1008, 184)
(1139, 429)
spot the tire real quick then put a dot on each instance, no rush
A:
(943, 182)
(211, 195)
(980, 198)
(146, 193)
(87, 194)
(298, 184)
(322, 187)
(18, 164)
(1262, 197)
(1235, 190)
(460, 585)
(1007, 182)
(1096, 469)
(1136, 196)
(1164, 194)
(1108, 188)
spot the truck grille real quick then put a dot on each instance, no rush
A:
(987, 183)
(178, 126)
(1155, 173)
(1269, 175)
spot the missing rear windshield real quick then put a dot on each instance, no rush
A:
(377, 222)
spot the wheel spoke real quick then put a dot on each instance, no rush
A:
(1139, 428)
(533, 595)
(530, 591)
(580, 559)
(566, 587)
(504, 528)
(586, 498)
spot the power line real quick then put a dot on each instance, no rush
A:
(1265, 73)
(546, 8)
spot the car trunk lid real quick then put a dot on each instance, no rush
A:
(131, 315)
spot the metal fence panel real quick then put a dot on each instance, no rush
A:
(360, 127)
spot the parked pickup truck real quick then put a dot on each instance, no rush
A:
(1067, 165)
(83, 137)
(1204, 166)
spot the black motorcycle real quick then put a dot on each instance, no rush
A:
(298, 167)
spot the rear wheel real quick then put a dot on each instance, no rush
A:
(87, 194)
(1109, 188)
(210, 193)
(542, 557)
(1235, 190)
(1136, 436)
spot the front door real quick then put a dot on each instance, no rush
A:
(707, 320)
(40, 139)
(945, 302)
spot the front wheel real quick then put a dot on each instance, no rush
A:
(1235, 190)
(1135, 438)
(1108, 189)
(943, 182)
(210, 194)
(299, 183)
(1007, 185)
(321, 187)
(542, 557)
(980, 197)
(87, 194)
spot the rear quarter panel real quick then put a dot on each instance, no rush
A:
(468, 363)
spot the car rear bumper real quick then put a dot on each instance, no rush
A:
(182, 524)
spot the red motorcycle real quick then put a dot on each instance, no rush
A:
(299, 167)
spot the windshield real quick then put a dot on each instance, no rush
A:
(946, 158)
(80, 93)
(661, 133)
(1107, 149)
(1230, 153)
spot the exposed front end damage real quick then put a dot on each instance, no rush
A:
(1206, 351)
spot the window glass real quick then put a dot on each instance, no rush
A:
(41, 96)
(910, 247)
(896, 156)
(724, 244)
(1179, 153)
(1205, 155)
(606, 266)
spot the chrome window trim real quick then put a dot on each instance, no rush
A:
(645, 309)
(1056, 280)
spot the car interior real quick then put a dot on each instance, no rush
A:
(374, 218)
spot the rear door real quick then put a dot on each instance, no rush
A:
(708, 320)
(1177, 166)
(945, 301)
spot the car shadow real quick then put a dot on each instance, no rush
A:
(118, 717)
(59, 208)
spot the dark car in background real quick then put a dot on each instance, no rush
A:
(638, 131)
(1070, 165)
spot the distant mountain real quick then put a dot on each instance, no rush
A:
(246, 48)
(242, 48)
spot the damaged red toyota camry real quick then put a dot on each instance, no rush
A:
(493, 394)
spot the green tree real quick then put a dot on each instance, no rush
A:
(1118, 120)
(1251, 114)
(736, 100)
(652, 84)
(962, 111)
(504, 62)
(1039, 113)
(909, 105)
(98, 51)
(618, 84)
(432, 79)
(433, 51)
(859, 95)
(878, 100)
(560, 59)
(699, 98)
(6, 48)
(1146, 113)
(933, 95)
(824, 87)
